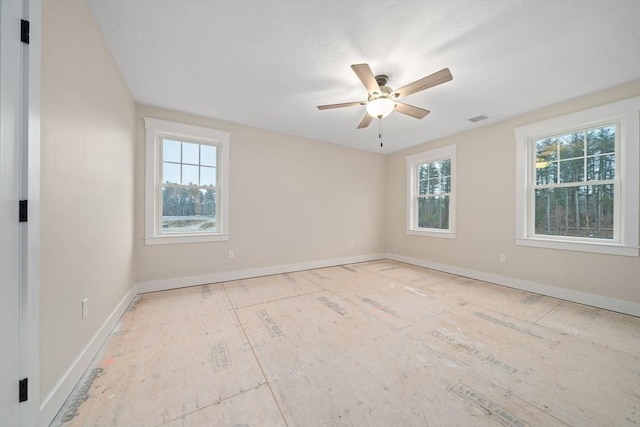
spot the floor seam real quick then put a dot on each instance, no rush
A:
(273, 300)
(217, 402)
(246, 336)
(535, 322)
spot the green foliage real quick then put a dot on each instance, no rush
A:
(585, 209)
(185, 201)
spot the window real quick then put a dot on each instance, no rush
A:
(186, 183)
(431, 193)
(577, 181)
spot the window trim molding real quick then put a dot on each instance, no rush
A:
(155, 130)
(445, 152)
(625, 113)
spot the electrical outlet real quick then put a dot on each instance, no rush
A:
(85, 308)
(231, 254)
(503, 258)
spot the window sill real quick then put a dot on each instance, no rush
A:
(593, 247)
(185, 238)
(441, 234)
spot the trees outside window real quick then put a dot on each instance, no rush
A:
(431, 201)
(577, 181)
(187, 181)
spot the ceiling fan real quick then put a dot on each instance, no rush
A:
(382, 100)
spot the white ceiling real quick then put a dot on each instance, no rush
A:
(269, 63)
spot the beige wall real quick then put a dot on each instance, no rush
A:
(291, 200)
(486, 213)
(86, 183)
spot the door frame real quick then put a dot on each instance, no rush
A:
(19, 180)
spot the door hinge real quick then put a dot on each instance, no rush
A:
(23, 214)
(24, 387)
(24, 31)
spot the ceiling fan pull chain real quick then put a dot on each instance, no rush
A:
(380, 130)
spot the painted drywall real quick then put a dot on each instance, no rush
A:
(486, 213)
(86, 183)
(291, 201)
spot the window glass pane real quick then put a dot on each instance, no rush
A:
(434, 169)
(433, 212)
(207, 176)
(601, 167)
(546, 173)
(423, 171)
(601, 140)
(571, 145)
(446, 184)
(208, 155)
(170, 150)
(171, 173)
(188, 210)
(581, 211)
(445, 167)
(209, 202)
(435, 186)
(547, 150)
(423, 187)
(572, 170)
(190, 175)
(190, 153)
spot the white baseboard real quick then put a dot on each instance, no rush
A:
(184, 282)
(54, 401)
(607, 303)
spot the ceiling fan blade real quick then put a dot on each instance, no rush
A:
(410, 110)
(366, 76)
(432, 80)
(344, 104)
(365, 121)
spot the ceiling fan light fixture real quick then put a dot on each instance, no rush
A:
(380, 107)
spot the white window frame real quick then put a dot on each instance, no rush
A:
(413, 162)
(157, 129)
(625, 114)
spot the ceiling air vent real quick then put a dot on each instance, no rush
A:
(478, 118)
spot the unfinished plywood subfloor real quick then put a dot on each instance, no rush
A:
(373, 344)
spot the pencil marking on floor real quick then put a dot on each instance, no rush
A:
(271, 325)
(414, 291)
(380, 307)
(206, 291)
(316, 274)
(353, 270)
(393, 267)
(491, 408)
(289, 278)
(530, 299)
(507, 324)
(333, 306)
(219, 357)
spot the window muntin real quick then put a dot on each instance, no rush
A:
(588, 163)
(186, 183)
(575, 190)
(188, 176)
(431, 201)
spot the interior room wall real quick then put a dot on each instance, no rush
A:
(486, 213)
(86, 186)
(292, 201)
